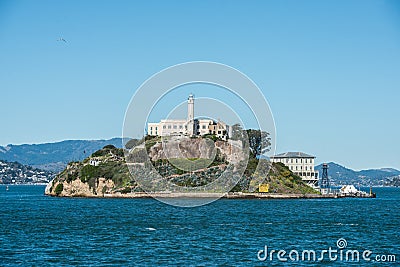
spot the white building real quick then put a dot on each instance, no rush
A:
(348, 189)
(300, 164)
(167, 127)
(190, 126)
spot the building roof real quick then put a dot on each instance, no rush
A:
(173, 121)
(293, 155)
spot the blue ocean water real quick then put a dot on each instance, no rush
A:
(37, 230)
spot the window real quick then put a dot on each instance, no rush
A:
(204, 126)
(296, 160)
(291, 160)
(301, 160)
(175, 127)
(151, 128)
(287, 160)
(180, 126)
(169, 126)
(156, 128)
(163, 127)
(296, 168)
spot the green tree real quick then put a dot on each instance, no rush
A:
(259, 142)
(237, 132)
(59, 189)
(131, 143)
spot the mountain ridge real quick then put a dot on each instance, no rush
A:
(54, 156)
(341, 175)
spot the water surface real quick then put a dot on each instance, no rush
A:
(38, 230)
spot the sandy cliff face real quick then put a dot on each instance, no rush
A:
(77, 188)
(196, 148)
(183, 147)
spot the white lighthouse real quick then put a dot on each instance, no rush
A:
(190, 120)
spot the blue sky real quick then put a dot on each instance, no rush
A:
(329, 69)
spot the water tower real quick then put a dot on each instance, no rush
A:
(324, 182)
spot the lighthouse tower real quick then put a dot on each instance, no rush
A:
(190, 118)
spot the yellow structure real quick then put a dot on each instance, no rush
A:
(263, 188)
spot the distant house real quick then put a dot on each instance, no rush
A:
(94, 162)
(300, 164)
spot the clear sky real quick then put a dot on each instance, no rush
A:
(330, 70)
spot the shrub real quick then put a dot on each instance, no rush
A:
(126, 190)
(104, 190)
(99, 153)
(131, 143)
(88, 172)
(59, 189)
(110, 147)
(211, 136)
(71, 176)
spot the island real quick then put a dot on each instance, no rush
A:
(106, 172)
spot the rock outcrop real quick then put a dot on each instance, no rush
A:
(77, 188)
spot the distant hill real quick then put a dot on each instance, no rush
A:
(14, 172)
(395, 181)
(341, 175)
(54, 156)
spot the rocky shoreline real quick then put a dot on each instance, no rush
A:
(235, 195)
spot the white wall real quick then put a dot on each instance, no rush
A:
(299, 166)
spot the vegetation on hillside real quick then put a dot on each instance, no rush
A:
(59, 189)
(109, 163)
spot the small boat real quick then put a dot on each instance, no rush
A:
(7, 188)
